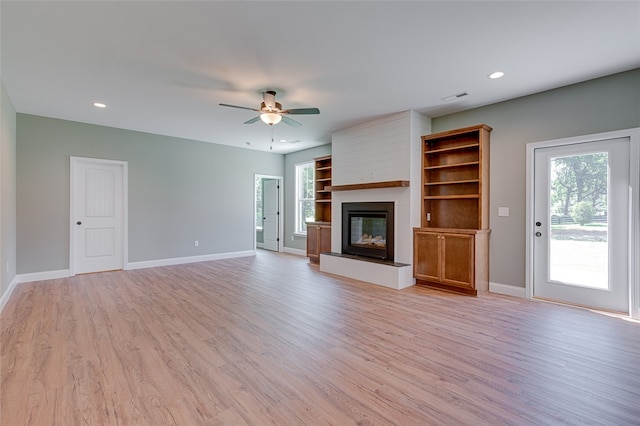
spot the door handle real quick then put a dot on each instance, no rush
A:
(78, 223)
(538, 234)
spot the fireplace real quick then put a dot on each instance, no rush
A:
(367, 229)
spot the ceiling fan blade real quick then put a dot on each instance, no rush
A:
(290, 122)
(253, 120)
(239, 107)
(269, 98)
(301, 111)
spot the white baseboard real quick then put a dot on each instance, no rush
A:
(190, 259)
(7, 294)
(298, 252)
(41, 276)
(507, 290)
(65, 273)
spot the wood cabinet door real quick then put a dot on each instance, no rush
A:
(457, 251)
(427, 259)
(313, 249)
(324, 236)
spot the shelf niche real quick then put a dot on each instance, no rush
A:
(455, 176)
(322, 170)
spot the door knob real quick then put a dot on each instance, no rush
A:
(538, 224)
(78, 223)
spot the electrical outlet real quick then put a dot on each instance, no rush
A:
(503, 211)
(196, 243)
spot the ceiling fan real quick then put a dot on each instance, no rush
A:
(271, 112)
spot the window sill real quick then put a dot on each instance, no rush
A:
(299, 235)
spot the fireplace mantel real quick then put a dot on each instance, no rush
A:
(371, 185)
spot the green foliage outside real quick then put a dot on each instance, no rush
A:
(259, 202)
(579, 186)
(306, 195)
(582, 213)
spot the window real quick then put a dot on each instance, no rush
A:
(305, 207)
(259, 202)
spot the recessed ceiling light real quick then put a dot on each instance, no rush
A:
(495, 75)
(99, 105)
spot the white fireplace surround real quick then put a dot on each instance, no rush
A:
(389, 276)
(386, 149)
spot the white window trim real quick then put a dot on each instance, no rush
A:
(298, 231)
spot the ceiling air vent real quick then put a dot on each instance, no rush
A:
(455, 97)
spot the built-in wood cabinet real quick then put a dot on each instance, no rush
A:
(319, 232)
(452, 259)
(452, 244)
(318, 240)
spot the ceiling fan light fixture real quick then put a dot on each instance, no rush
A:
(271, 112)
(270, 118)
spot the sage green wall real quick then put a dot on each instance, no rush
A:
(179, 191)
(600, 105)
(290, 161)
(7, 191)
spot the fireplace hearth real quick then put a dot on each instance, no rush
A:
(367, 229)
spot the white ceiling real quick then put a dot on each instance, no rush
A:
(163, 67)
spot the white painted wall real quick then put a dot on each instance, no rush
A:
(375, 151)
(385, 149)
(180, 191)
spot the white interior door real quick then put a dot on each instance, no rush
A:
(581, 214)
(97, 215)
(270, 220)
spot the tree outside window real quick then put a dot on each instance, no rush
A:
(579, 187)
(305, 200)
(259, 202)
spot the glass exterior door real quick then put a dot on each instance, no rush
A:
(581, 224)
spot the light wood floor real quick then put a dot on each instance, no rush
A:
(271, 340)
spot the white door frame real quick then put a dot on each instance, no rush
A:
(280, 209)
(125, 214)
(634, 206)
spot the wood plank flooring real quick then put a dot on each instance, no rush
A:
(270, 340)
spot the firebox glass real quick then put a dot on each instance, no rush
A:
(369, 232)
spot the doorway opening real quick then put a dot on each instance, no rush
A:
(268, 205)
(583, 244)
